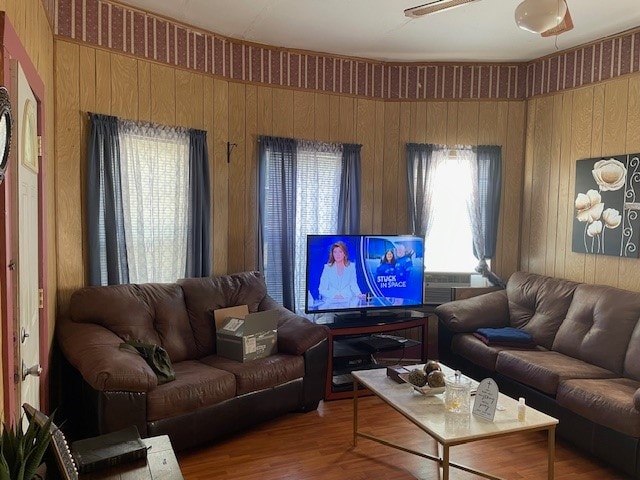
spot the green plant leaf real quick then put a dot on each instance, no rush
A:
(21, 452)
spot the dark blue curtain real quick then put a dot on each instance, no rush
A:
(489, 188)
(349, 201)
(107, 251)
(199, 236)
(419, 194)
(277, 187)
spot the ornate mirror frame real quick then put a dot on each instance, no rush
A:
(5, 131)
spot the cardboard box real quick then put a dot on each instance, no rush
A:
(246, 337)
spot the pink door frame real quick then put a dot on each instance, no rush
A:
(14, 50)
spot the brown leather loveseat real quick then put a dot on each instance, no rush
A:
(585, 369)
(211, 396)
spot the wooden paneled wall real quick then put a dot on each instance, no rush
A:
(94, 80)
(598, 120)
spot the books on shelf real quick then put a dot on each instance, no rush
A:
(108, 450)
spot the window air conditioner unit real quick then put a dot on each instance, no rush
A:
(439, 286)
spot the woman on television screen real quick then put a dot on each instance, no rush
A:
(387, 264)
(338, 280)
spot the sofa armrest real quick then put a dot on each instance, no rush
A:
(296, 334)
(95, 352)
(464, 316)
(636, 399)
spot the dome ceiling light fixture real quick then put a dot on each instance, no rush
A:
(540, 16)
(546, 17)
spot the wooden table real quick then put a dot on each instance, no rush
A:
(160, 464)
(449, 429)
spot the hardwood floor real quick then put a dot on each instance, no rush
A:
(318, 445)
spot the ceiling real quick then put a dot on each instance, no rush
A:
(378, 29)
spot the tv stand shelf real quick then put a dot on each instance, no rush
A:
(353, 344)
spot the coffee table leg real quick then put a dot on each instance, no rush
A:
(445, 462)
(551, 445)
(355, 412)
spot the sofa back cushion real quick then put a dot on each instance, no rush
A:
(599, 325)
(151, 312)
(204, 295)
(539, 304)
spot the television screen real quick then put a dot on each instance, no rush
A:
(363, 272)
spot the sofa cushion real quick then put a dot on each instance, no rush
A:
(196, 386)
(475, 350)
(636, 399)
(262, 373)
(204, 295)
(544, 370)
(606, 402)
(599, 325)
(538, 304)
(151, 312)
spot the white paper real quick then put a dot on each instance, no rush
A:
(486, 399)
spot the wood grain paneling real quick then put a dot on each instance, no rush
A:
(250, 234)
(508, 253)
(220, 198)
(144, 92)
(589, 122)
(365, 135)
(378, 167)
(124, 78)
(163, 94)
(239, 113)
(68, 181)
(389, 183)
(103, 82)
(87, 104)
(304, 115)
(565, 196)
(237, 193)
(189, 100)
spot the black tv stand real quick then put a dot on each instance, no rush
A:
(369, 317)
(351, 346)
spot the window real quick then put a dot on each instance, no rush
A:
(317, 170)
(454, 202)
(148, 202)
(305, 187)
(155, 200)
(449, 240)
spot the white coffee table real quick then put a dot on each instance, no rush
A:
(449, 429)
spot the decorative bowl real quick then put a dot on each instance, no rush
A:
(427, 391)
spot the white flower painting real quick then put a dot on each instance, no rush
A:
(606, 211)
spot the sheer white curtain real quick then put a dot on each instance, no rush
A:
(317, 196)
(449, 241)
(155, 191)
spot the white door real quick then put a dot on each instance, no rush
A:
(25, 123)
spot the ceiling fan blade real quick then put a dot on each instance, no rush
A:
(434, 6)
(564, 26)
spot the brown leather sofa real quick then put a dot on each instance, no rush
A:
(212, 396)
(585, 370)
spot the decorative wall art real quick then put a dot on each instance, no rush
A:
(606, 220)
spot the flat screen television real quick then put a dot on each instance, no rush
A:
(364, 273)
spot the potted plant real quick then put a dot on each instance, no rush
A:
(21, 451)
